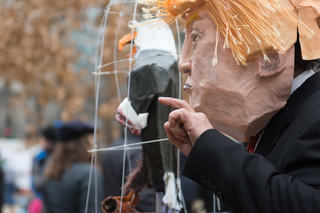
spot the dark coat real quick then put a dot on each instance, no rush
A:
(69, 194)
(284, 173)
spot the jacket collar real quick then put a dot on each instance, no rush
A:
(285, 115)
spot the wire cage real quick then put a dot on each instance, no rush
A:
(112, 79)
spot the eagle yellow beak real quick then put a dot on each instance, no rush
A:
(126, 39)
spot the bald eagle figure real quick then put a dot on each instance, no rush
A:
(154, 51)
(155, 73)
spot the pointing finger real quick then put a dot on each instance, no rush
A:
(176, 103)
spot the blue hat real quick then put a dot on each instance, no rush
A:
(73, 129)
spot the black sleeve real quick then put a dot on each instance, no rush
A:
(248, 182)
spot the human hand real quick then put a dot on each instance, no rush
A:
(184, 126)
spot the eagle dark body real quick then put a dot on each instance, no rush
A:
(152, 75)
(155, 74)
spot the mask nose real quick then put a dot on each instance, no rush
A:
(185, 67)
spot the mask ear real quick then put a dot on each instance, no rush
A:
(277, 62)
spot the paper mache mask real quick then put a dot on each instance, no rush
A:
(259, 35)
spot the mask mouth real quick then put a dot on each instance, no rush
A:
(128, 117)
(187, 87)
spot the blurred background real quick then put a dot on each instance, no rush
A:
(47, 52)
(47, 56)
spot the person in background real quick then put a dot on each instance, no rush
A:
(67, 174)
(272, 103)
(47, 141)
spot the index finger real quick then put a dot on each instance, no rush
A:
(176, 103)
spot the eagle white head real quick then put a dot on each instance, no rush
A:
(151, 46)
(146, 36)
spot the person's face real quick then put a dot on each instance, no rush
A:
(237, 99)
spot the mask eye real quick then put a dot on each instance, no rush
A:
(195, 38)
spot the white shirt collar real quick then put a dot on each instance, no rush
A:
(298, 81)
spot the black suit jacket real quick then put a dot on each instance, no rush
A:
(284, 173)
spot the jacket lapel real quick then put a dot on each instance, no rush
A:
(284, 117)
(269, 136)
